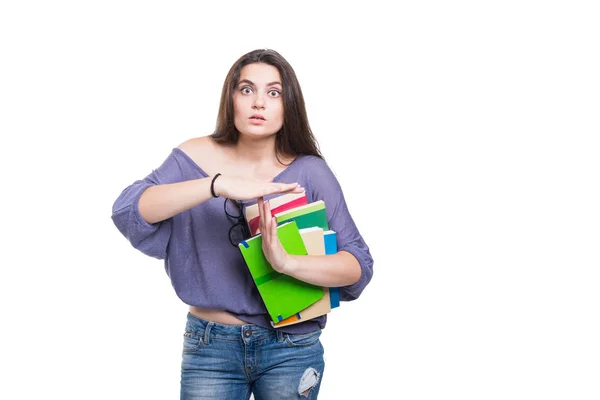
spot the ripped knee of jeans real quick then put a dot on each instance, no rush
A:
(309, 380)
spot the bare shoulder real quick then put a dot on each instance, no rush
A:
(204, 151)
(196, 145)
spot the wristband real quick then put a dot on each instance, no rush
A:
(212, 185)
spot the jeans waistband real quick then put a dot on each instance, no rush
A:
(210, 329)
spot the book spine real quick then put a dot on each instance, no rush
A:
(331, 248)
(254, 222)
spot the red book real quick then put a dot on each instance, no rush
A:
(278, 204)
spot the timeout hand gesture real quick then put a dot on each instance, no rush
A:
(237, 188)
(271, 246)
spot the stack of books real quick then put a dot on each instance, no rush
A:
(303, 229)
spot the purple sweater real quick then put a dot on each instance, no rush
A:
(204, 268)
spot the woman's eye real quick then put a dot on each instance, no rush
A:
(246, 90)
(274, 93)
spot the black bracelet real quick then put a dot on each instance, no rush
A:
(212, 185)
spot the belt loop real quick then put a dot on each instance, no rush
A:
(206, 338)
(280, 336)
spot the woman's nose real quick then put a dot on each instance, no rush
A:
(259, 102)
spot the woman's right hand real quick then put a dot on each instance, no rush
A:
(236, 188)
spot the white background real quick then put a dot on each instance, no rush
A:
(464, 136)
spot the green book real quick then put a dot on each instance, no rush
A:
(282, 294)
(307, 216)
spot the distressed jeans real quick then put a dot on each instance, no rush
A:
(231, 362)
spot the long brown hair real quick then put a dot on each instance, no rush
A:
(295, 136)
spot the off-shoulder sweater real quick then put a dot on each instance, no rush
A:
(204, 268)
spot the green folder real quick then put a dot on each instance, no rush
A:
(282, 294)
(313, 214)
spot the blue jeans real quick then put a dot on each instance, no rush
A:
(230, 362)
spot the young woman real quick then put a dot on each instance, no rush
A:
(188, 212)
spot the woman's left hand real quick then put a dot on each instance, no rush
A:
(272, 247)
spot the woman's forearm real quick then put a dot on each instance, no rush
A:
(340, 269)
(160, 202)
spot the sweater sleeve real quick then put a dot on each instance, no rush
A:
(325, 186)
(150, 239)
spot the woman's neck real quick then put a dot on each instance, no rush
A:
(256, 151)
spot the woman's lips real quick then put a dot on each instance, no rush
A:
(257, 119)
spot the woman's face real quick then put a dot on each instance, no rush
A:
(257, 101)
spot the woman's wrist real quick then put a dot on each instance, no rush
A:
(213, 191)
(291, 265)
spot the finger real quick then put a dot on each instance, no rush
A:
(267, 211)
(298, 189)
(274, 228)
(274, 188)
(288, 186)
(261, 214)
(267, 219)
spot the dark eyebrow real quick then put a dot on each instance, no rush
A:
(249, 82)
